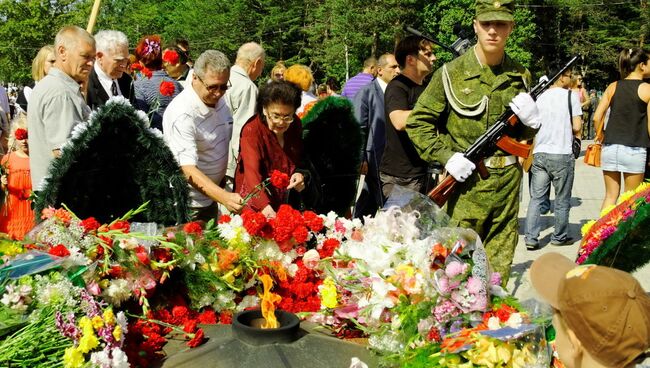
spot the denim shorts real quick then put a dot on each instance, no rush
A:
(620, 158)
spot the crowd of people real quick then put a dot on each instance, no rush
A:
(230, 132)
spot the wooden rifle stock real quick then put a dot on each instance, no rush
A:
(494, 137)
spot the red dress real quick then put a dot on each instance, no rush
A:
(259, 154)
(16, 214)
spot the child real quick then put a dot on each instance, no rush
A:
(602, 315)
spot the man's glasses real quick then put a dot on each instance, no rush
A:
(287, 119)
(215, 87)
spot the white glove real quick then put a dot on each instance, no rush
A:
(459, 167)
(526, 110)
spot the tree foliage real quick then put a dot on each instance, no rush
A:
(333, 37)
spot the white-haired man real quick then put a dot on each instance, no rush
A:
(241, 97)
(56, 104)
(197, 126)
(108, 77)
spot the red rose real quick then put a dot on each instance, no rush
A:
(197, 339)
(20, 134)
(167, 88)
(279, 179)
(171, 57)
(59, 251)
(90, 224)
(193, 228)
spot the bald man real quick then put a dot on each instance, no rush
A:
(56, 104)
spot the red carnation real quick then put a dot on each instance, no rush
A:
(193, 228)
(313, 221)
(20, 134)
(254, 222)
(197, 339)
(120, 225)
(167, 88)
(208, 317)
(136, 67)
(171, 57)
(147, 72)
(224, 219)
(59, 251)
(279, 179)
(189, 325)
(225, 318)
(300, 233)
(329, 246)
(142, 254)
(90, 224)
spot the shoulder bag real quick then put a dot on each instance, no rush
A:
(576, 145)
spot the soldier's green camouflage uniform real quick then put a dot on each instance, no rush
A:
(439, 127)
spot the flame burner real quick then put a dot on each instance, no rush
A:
(246, 326)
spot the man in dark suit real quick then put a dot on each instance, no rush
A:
(369, 110)
(108, 77)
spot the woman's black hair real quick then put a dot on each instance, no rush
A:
(280, 92)
(629, 59)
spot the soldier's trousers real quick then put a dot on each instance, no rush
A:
(491, 207)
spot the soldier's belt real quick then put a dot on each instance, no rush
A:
(499, 162)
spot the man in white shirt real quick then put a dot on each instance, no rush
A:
(108, 77)
(553, 160)
(197, 126)
(242, 96)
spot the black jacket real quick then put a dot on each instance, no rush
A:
(96, 96)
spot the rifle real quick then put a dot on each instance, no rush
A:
(494, 137)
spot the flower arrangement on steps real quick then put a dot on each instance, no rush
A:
(422, 298)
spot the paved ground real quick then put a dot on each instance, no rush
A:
(587, 196)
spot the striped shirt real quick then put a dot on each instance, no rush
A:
(354, 84)
(199, 136)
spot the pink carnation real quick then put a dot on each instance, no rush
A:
(474, 285)
(455, 268)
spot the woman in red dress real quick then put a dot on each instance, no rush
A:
(271, 140)
(16, 214)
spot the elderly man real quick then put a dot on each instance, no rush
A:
(108, 77)
(241, 97)
(197, 126)
(369, 110)
(56, 104)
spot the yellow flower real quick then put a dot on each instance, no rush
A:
(587, 226)
(626, 195)
(483, 353)
(109, 317)
(117, 333)
(88, 342)
(86, 325)
(522, 358)
(328, 294)
(606, 210)
(72, 358)
(97, 322)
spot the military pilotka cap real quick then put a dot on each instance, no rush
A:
(607, 309)
(495, 10)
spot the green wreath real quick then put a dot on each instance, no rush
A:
(114, 163)
(332, 140)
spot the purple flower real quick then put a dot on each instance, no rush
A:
(495, 279)
(68, 329)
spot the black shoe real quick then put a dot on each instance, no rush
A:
(544, 210)
(531, 246)
(567, 241)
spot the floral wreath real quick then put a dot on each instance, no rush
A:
(619, 237)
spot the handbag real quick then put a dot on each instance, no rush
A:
(576, 145)
(592, 155)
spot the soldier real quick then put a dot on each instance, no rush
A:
(463, 99)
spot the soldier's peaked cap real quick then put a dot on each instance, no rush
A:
(495, 10)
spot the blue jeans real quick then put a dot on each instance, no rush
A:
(550, 168)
